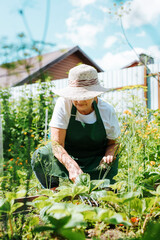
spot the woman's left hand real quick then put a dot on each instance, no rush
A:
(106, 160)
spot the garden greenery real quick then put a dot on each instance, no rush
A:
(129, 209)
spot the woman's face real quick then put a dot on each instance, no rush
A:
(84, 106)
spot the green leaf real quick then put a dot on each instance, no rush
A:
(77, 190)
(72, 235)
(112, 198)
(70, 192)
(59, 223)
(5, 206)
(152, 231)
(47, 192)
(103, 214)
(76, 220)
(158, 190)
(136, 206)
(10, 196)
(131, 195)
(43, 228)
(16, 206)
(34, 221)
(117, 219)
(98, 194)
(90, 215)
(83, 180)
(99, 184)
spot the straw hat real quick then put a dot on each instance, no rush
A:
(82, 84)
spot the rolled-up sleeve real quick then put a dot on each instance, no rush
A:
(61, 114)
(110, 120)
(113, 131)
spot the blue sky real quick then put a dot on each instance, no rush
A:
(91, 24)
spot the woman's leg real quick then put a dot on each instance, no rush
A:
(42, 165)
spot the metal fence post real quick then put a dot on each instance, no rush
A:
(148, 90)
(46, 123)
(1, 144)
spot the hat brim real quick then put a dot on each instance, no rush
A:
(81, 93)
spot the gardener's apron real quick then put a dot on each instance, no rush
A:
(85, 143)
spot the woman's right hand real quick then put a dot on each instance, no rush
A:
(74, 172)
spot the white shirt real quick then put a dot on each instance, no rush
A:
(62, 113)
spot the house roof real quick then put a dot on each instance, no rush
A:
(19, 75)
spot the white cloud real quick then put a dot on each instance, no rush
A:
(112, 61)
(154, 51)
(80, 30)
(141, 34)
(81, 3)
(142, 12)
(84, 35)
(110, 41)
(104, 9)
(76, 16)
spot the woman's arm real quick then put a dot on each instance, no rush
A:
(111, 149)
(58, 139)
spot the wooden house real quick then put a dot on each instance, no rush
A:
(55, 64)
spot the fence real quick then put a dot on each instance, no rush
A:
(122, 83)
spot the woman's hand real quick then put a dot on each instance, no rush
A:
(58, 138)
(106, 160)
(109, 154)
(74, 172)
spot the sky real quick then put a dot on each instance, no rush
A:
(111, 32)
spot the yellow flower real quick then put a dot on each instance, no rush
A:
(20, 163)
(25, 133)
(140, 168)
(147, 133)
(127, 112)
(154, 130)
(9, 150)
(11, 167)
(155, 114)
(145, 136)
(139, 131)
(32, 135)
(152, 163)
(17, 157)
(11, 159)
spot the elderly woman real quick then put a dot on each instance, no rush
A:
(84, 129)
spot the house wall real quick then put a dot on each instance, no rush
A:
(60, 70)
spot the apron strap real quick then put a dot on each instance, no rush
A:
(99, 119)
(73, 112)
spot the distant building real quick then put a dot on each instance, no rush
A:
(55, 64)
(144, 59)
